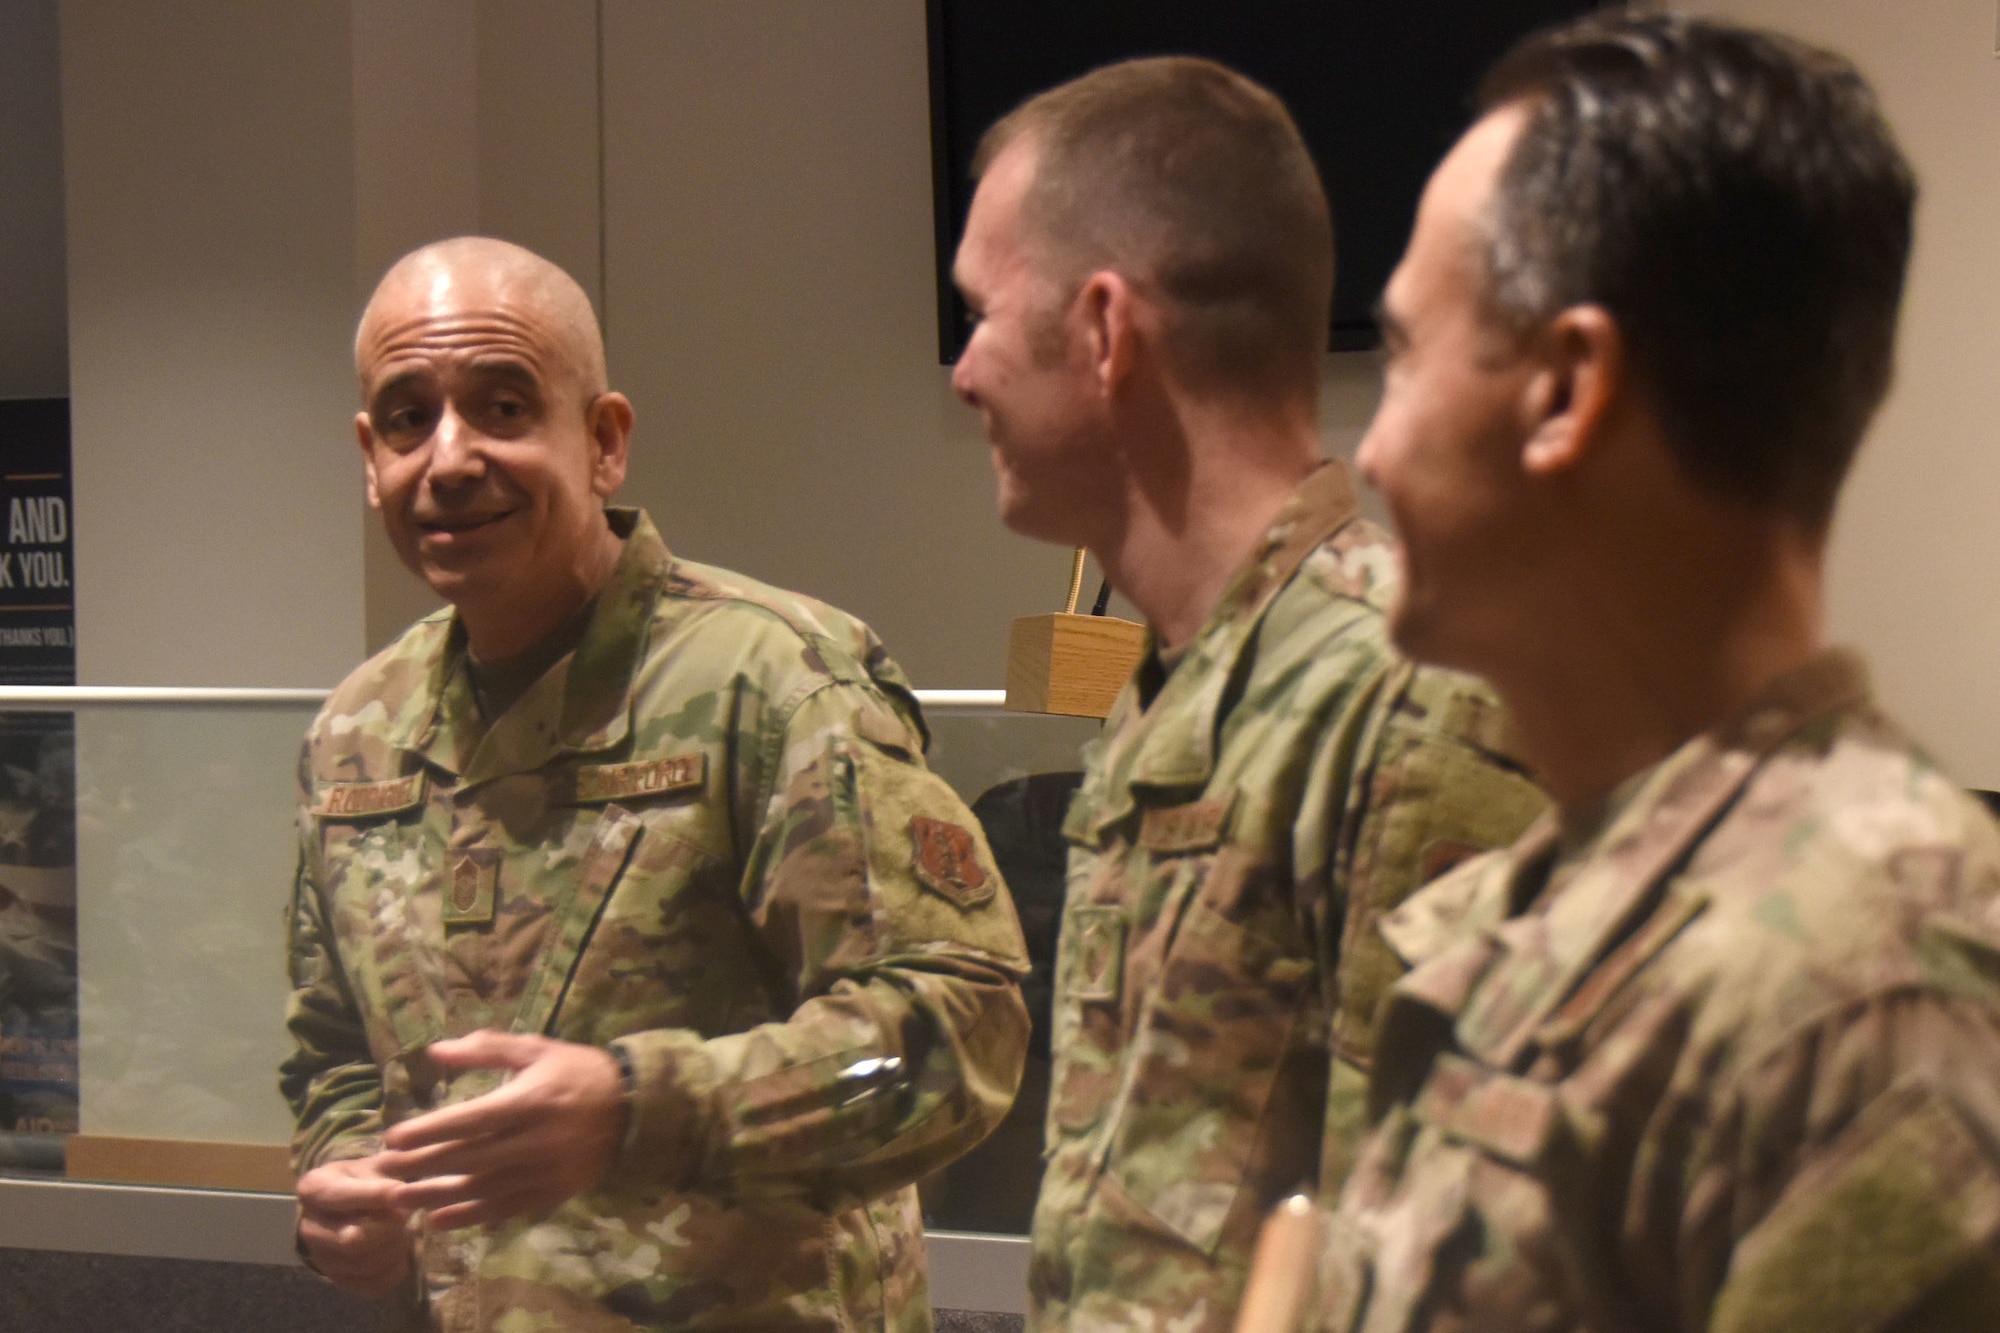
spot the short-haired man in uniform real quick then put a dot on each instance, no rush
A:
(1715, 1048)
(640, 963)
(1151, 261)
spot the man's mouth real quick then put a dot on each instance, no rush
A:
(458, 524)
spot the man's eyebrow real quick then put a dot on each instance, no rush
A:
(401, 382)
(505, 367)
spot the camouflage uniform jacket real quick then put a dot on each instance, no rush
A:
(1730, 1062)
(1292, 774)
(706, 838)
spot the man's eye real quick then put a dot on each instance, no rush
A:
(402, 421)
(509, 412)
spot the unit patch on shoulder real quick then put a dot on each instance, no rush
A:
(359, 800)
(947, 861)
(646, 777)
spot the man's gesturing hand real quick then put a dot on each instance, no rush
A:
(353, 1233)
(546, 1135)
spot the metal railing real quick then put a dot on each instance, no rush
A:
(66, 696)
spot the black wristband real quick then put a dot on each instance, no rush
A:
(628, 1081)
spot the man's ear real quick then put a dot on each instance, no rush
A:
(1569, 399)
(1109, 308)
(366, 436)
(609, 419)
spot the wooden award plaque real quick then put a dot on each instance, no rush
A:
(1071, 664)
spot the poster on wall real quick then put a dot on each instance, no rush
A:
(38, 976)
(37, 599)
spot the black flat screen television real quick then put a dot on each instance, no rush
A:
(1380, 89)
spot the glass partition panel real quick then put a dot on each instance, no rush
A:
(183, 863)
(185, 857)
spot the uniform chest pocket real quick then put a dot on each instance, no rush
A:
(370, 845)
(1123, 912)
(670, 942)
(371, 869)
(1087, 1035)
(359, 856)
(1218, 1031)
(361, 824)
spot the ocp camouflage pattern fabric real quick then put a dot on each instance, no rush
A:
(1725, 1057)
(707, 838)
(1231, 846)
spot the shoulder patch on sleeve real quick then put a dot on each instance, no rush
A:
(1907, 1199)
(946, 860)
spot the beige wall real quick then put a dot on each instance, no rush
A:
(768, 265)
(239, 171)
(242, 173)
(237, 174)
(769, 273)
(772, 311)
(1915, 577)
(208, 153)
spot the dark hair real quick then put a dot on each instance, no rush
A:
(1180, 172)
(1736, 202)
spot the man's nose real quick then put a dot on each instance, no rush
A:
(456, 454)
(1365, 457)
(961, 380)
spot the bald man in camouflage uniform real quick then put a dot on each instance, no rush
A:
(1150, 255)
(1718, 1047)
(640, 963)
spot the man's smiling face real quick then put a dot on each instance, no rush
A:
(477, 433)
(1026, 369)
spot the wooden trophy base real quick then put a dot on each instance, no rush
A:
(1070, 664)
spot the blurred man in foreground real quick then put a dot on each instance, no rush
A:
(640, 965)
(1151, 261)
(1717, 1046)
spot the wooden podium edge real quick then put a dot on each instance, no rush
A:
(193, 1163)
